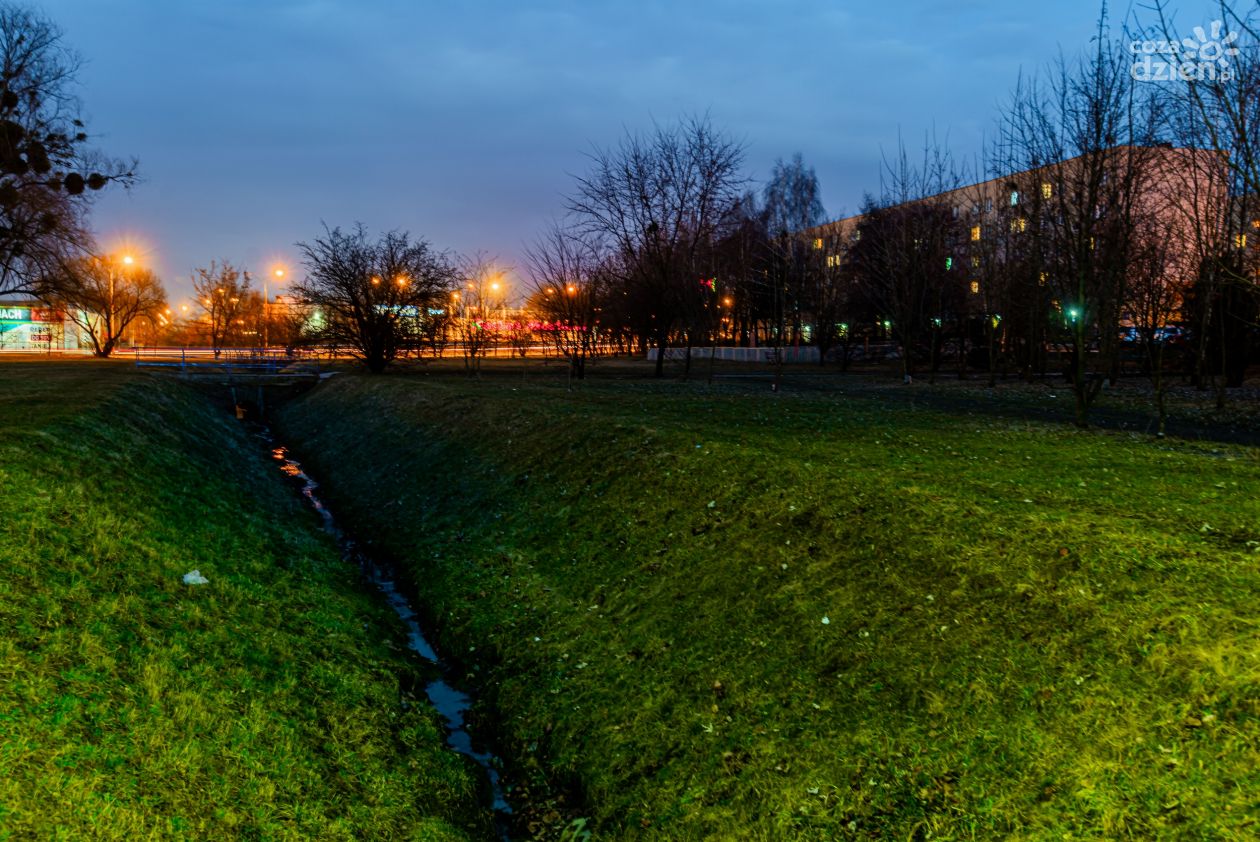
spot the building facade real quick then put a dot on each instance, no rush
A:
(32, 326)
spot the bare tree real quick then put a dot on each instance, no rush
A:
(1216, 102)
(1223, 89)
(906, 238)
(992, 254)
(802, 286)
(1082, 141)
(564, 271)
(1154, 298)
(741, 255)
(104, 295)
(46, 172)
(657, 204)
(373, 297)
(481, 301)
(224, 295)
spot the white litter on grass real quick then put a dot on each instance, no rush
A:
(195, 578)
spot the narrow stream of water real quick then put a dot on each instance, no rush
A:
(450, 702)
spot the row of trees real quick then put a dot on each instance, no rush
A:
(1111, 203)
(664, 246)
(1106, 203)
(1128, 206)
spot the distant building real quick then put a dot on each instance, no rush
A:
(1182, 191)
(28, 325)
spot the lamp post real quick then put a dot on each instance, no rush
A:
(499, 293)
(127, 260)
(279, 276)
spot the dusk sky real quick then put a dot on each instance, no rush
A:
(256, 121)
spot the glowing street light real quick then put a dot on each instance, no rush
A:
(278, 274)
(126, 260)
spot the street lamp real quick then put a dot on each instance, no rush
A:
(278, 273)
(127, 260)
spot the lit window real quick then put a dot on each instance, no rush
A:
(975, 233)
(949, 263)
(975, 287)
(818, 243)
(1019, 225)
(1041, 281)
(1255, 223)
(1014, 198)
(975, 262)
(1047, 190)
(1240, 241)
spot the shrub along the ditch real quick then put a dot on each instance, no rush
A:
(274, 702)
(730, 614)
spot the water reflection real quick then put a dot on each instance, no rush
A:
(450, 703)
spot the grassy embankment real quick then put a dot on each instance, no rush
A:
(730, 615)
(264, 705)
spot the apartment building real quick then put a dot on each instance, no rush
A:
(1175, 203)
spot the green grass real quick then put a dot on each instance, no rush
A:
(725, 614)
(272, 703)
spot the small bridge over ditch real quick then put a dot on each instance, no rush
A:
(250, 381)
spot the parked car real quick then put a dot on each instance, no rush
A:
(1168, 334)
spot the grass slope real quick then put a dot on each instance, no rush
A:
(263, 705)
(732, 615)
